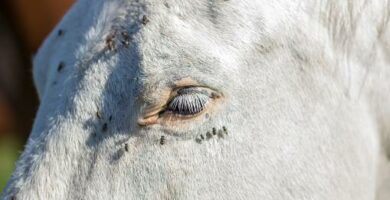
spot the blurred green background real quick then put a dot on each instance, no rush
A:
(23, 26)
(9, 152)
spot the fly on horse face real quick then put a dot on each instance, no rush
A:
(212, 99)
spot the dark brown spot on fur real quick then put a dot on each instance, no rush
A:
(162, 140)
(110, 41)
(201, 137)
(209, 135)
(127, 147)
(225, 130)
(214, 131)
(60, 32)
(105, 127)
(145, 20)
(61, 66)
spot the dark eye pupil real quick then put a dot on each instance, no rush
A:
(188, 102)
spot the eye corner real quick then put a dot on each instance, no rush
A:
(216, 95)
(145, 120)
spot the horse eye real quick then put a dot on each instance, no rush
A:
(185, 104)
(189, 101)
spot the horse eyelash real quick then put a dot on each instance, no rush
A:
(188, 104)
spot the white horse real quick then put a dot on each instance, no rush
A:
(212, 99)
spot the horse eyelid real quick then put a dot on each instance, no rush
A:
(188, 104)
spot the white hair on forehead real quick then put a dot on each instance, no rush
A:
(355, 29)
(344, 18)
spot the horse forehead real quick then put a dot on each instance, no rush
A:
(211, 35)
(177, 31)
(199, 24)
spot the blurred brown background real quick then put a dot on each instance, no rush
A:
(23, 26)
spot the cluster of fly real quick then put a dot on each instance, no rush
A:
(220, 133)
(118, 38)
